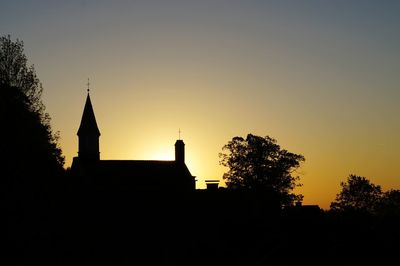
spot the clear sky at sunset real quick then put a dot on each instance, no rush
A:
(322, 77)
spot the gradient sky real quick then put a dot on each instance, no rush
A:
(322, 77)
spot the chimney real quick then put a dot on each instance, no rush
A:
(212, 185)
(180, 151)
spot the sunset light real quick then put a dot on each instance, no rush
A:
(318, 77)
(200, 132)
(161, 155)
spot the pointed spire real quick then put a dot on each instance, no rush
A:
(88, 124)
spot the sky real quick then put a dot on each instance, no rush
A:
(321, 77)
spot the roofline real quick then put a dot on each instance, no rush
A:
(167, 161)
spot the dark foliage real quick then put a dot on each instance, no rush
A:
(259, 164)
(29, 148)
(358, 194)
(390, 204)
(15, 73)
(31, 164)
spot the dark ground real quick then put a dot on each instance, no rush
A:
(70, 227)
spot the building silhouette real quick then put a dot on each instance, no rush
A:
(138, 175)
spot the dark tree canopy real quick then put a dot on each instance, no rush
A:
(390, 203)
(358, 194)
(29, 147)
(259, 164)
(15, 73)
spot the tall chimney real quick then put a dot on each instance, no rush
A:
(180, 151)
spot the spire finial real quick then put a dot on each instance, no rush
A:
(179, 134)
(88, 84)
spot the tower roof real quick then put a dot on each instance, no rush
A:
(179, 142)
(88, 122)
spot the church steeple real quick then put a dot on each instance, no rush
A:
(88, 133)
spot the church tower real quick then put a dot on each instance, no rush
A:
(88, 134)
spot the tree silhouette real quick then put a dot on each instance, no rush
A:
(29, 147)
(390, 203)
(357, 194)
(15, 73)
(259, 164)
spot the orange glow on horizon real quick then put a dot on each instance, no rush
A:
(323, 82)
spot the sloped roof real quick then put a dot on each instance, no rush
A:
(88, 122)
(141, 168)
(135, 173)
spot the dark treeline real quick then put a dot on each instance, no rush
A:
(31, 161)
(52, 218)
(223, 227)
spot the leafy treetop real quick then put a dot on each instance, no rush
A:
(259, 164)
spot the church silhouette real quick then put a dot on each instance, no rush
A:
(136, 175)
